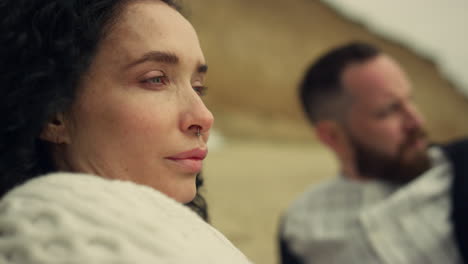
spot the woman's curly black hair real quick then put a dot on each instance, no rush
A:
(46, 46)
(198, 204)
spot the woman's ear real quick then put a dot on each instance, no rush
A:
(56, 131)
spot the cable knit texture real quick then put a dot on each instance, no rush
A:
(79, 218)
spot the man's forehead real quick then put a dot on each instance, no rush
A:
(380, 76)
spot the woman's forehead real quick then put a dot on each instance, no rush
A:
(152, 26)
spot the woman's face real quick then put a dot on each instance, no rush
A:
(138, 108)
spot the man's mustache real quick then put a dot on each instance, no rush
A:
(412, 137)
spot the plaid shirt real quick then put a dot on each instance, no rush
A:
(344, 221)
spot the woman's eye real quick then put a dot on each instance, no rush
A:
(157, 80)
(200, 90)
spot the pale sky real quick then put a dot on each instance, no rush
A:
(437, 29)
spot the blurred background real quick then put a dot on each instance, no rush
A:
(263, 153)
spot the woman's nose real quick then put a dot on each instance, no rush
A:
(197, 118)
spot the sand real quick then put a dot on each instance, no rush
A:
(250, 183)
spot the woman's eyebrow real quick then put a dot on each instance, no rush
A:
(156, 56)
(202, 68)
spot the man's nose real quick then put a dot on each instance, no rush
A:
(413, 118)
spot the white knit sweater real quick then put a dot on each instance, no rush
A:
(78, 218)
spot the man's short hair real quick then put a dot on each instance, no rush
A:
(321, 92)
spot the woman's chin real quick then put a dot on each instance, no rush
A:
(184, 194)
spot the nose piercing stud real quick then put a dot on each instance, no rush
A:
(198, 132)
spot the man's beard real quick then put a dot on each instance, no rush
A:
(374, 164)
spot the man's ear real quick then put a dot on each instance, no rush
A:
(331, 134)
(56, 130)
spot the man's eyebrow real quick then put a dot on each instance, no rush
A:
(157, 56)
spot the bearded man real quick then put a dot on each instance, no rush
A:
(390, 202)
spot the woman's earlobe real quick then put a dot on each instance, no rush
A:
(55, 131)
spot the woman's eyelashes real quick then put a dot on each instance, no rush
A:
(156, 81)
(200, 89)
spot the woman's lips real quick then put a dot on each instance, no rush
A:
(190, 161)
